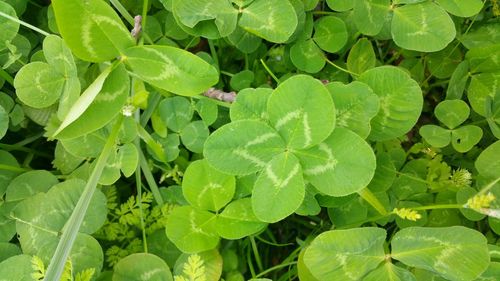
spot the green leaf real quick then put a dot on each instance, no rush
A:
(222, 14)
(482, 59)
(142, 266)
(206, 265)
(369, 15)
(192, 230)
(435, 135)
(274, 21)
(17, 268)
(206, 188)
(442, 64)
(400, 101)
(343, 164)
(128, 159)
(59, 56)
(86, 146)
(176, 112)
(250, 104)
(9, 27)
(171, 69)
(340, 5)
(458, 81)
(452, 112)
(481, 86)
(423, 27)
(302, 111)
(279, 189)
(6, 175)
(389, 271)
(238, 220)
(92, 29)
(465, 137)
(345, 254)
(107, 104)
(8, 250)
(483, 36)
(455, 253)
(330, 33)
(243, 147)
(461, 8)
(4, 121)
(39, 85)
(361, 57)
(29, 184)
(356, 105)
(208, 111)
(242, 80)
(244, 41)
(307, 56)
(194, 135)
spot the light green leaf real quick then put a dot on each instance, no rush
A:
(238, 220)
(128, 159)
(4, 121)
(8, 250)
(86, 146)
(194, 135)
(484, 35)
(442, 64)
(29, 184)
(107, 103)
(242, 80)
(423, 27)
(274, 21)
(461, 8)
(39, 85)
(250, 104)
(455, 253)
(389, 271)
(205, 265)
(141, 267)
(206, 188)
(65, 161)
(59, 56)
(307, 56)
(343, 164)
(435, 135)
(465, 137)
(208, 111)
(172, 69)
(222, 14)
(192, 230)
(92, 29)
(340, 5)
(279, 189)
(369, 15)
(302, 111)
(481, 86)
(458, 81)
(243, 147)
(345, 254)
(244, 41)
(484, 58)
(356, 105)
(385, 173)
(9, 28)
(176, 112)
(452, 112)
(16, 268)
(400, 101)
(361, 57)
(330, 33)
(7, 175)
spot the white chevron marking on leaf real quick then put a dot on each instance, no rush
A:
(330, 163)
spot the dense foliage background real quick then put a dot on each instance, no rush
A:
(249, 139)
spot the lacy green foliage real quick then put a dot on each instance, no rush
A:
(122, 230)
(68, 275)
(193, 270)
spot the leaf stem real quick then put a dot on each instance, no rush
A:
(369, 197)
(488, 186)
(13, 168)
(279, 266)
(213, 52)
(150, 179)
(269, 71)
(34, 28)
(340, 68)
(9, 147)
(6, 76)
(72, 226)
(256, 253)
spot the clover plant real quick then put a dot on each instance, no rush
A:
(249, 140)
